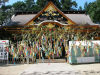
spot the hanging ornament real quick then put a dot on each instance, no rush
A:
(14, 37)
(53, 29)
(54, 51)
(57, 53)
(7, 49)
(49, 29)
(75, 50)
(97, 50)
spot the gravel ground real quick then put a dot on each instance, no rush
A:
(50, 69)
(13, 69)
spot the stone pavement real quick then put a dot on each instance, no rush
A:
(62, 69)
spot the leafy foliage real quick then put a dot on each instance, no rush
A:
(93, 9)
(19, 6)
(68, 4)
(80, 8)
(30, 5)
(3, 1)
(62, 5)
(5, 13)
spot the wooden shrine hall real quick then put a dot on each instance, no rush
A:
(50, 30)
(50, 16)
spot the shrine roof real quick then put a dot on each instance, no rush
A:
(65, 12)
(80, 19)
(20, 19)
(74, 17)
(24, 18)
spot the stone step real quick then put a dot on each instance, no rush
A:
(51, 61)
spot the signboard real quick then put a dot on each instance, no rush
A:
(85, 59)
(84, 51)
(3, 49)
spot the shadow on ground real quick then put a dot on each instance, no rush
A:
(63, 73)
(7, 65)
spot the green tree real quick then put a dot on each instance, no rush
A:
(30, 5)
(5, 13)
(2, 2)
(93, 9)
(19, 6)
(4, 8)
(98, 11)
(98, 3)
(86, 6)
(80, 8)
(42, 3)
(57, 3)
(68, 4)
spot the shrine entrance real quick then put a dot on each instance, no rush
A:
(51, 42)
(42, 42)
(46, 35)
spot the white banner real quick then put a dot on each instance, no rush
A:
(3, 52)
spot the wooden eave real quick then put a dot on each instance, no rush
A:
(55, 23)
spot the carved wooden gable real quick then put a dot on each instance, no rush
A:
(50, 13)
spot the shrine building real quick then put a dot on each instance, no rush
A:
(50, 16)
(50, 30)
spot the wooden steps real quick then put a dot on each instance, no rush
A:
(51, 61)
